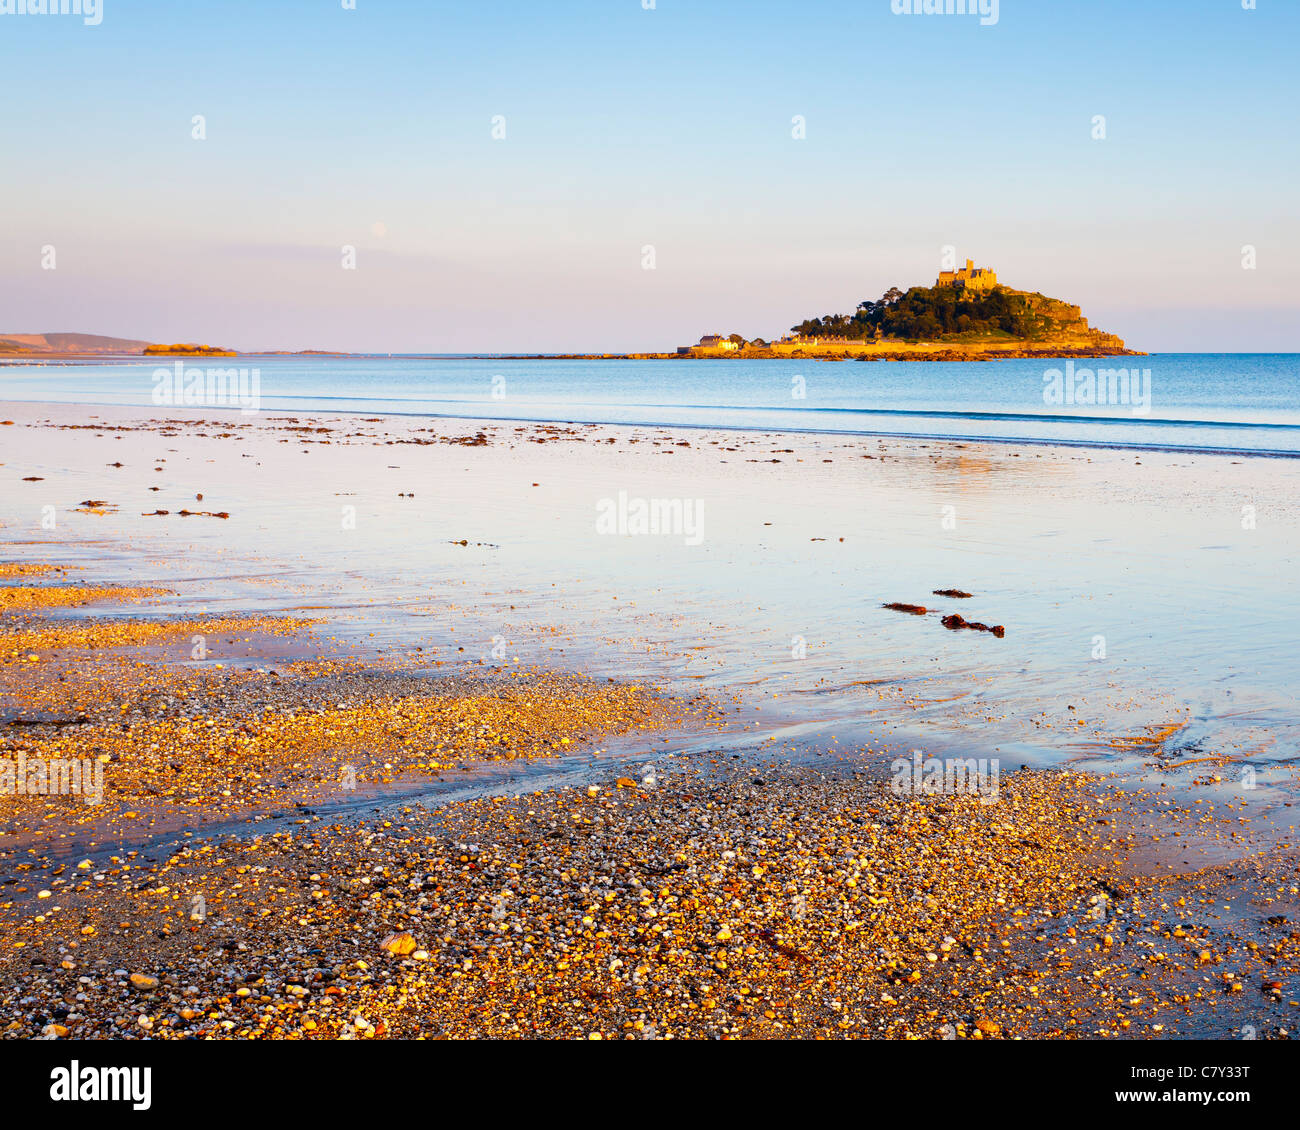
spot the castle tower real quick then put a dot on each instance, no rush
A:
(969, 277)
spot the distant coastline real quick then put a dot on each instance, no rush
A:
(919, 351)
(967, 315)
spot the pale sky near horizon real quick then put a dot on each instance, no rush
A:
(625, 128)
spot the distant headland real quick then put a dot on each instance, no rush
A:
(70, 345)
(40, 345)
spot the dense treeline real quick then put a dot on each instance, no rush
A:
(928, 313)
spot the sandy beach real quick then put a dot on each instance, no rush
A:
(448, 728)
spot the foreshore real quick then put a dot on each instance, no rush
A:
(317, 824)
(690, 897)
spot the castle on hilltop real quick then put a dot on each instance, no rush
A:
(970, 277)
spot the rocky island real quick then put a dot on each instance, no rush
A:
(967, 315)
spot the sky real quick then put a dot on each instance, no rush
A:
(616, 175)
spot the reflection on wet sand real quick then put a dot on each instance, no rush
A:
(315, 717)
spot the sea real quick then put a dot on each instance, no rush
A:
(1140, 555)
(1184, 401)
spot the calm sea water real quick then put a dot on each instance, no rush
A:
(1138, 588)
(1220, 402)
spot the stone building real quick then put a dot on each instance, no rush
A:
(970, 277)
(716, 341)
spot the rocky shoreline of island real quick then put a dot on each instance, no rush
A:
(919, 352)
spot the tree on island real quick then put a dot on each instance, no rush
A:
(929, 313)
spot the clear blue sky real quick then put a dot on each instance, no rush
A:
(628, 127)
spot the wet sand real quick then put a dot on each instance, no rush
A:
(321, 827)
